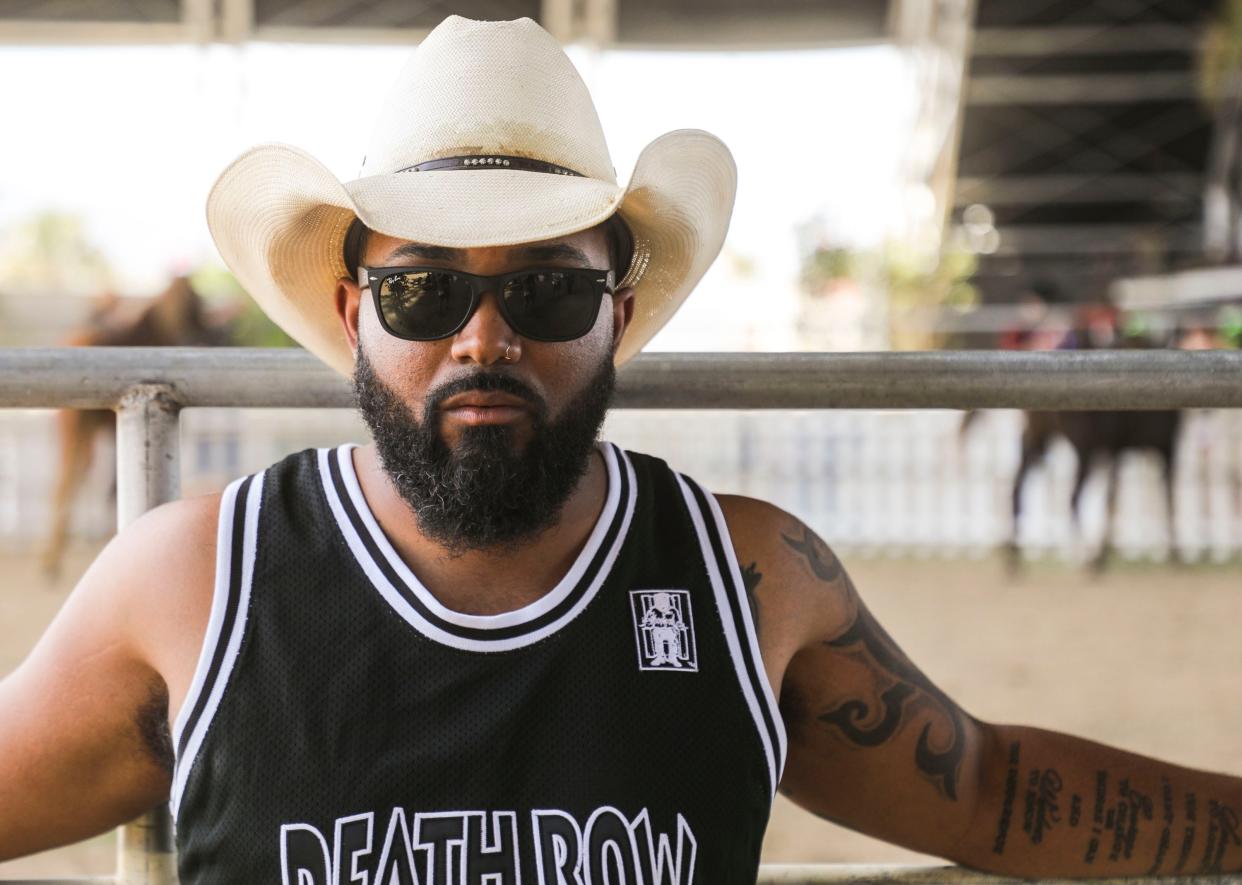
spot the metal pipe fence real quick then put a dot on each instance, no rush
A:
(148, 387)
(1062, 380)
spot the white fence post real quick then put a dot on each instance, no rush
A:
(147, 469)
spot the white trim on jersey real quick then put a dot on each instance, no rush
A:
(614, 509)
(219, 601)
(772, 755)
(217, 629)
(751, 631)
(540, 606)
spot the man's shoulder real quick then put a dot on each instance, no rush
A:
(160, 570)
(793, 575)
(754, 521)
(171, 530)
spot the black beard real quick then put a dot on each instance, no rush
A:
(483, 494)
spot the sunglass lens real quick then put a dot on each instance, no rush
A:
(552, 306)
(424, 305)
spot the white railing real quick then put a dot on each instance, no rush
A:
(890, 483)
(148, 388)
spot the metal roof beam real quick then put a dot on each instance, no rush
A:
(40, 33)
(361, 36)
(1084, 40)
(197, 25)
(1070, 89)
(1009, 190)
(236, 20)
(557, 17)
(1078, 239)
(1044, 132)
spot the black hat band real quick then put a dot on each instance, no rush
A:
(490, 161)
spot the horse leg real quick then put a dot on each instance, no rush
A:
(1032, 451)
(75, 441)
(968, 418)
(1170, 506)
(1081, 472)
(1110, 507)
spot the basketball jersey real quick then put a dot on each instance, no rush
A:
(344, 727)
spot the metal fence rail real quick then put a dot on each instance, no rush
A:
(1102, 379)
(149, 386)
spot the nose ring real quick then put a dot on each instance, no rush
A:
(508, 347)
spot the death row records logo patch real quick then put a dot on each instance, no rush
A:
(664, 630)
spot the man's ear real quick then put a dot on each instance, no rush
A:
(622, 313)
(348, 297)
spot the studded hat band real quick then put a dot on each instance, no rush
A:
(353, 237)
(491, 161)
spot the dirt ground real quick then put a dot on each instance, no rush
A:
(1146, 658)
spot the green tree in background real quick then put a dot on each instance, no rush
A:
(249, 325)
(917, 286)
(51, 252)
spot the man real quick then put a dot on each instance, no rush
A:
(424, 660)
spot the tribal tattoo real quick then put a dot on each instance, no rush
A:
(823, 562)
(884, 659)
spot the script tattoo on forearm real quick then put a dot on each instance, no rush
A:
(888, 664)
(1132, 807)
(1123, 819)
(1166, 832)
(1042, 811)
(1097, 816)
(1222, 832)
(1011, 793)
(1188, 834)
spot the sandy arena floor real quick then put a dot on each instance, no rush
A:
(1146, 658)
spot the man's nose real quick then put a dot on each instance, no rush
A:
(486, 337)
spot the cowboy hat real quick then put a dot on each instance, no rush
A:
(489, 137)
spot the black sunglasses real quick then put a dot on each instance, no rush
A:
(542, 304)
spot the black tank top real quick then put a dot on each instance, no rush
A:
(345, 728)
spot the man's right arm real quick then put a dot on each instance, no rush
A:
(84, 719)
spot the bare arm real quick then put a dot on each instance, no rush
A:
(1056, 805)
(875, 746)
(84, 719)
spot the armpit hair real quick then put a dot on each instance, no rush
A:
(151, 720)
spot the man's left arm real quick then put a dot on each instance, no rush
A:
(1051, 804)
(876, 746)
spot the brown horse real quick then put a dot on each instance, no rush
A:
(176, 317)
(1098, 437)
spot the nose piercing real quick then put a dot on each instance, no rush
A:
(506, 357)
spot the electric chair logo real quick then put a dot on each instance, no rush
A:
(664, 630)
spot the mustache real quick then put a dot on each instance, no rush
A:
(485, 382)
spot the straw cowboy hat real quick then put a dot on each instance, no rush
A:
(488, 138)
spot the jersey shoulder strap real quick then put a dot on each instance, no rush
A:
(675, 500)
